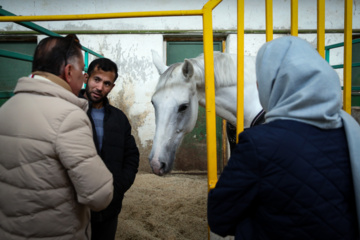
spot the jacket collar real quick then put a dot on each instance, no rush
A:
(47, 84)
(53, 78)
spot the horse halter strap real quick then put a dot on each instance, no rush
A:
(259, 119)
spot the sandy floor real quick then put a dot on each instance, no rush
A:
(171, 207)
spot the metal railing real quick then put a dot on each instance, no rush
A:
(294, 31)
(42, 30)
(338, 66)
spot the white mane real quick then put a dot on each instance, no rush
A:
(224, 66)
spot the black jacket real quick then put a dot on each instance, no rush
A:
(286, 180)
(119, 153)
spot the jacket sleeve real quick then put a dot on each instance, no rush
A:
(130, 161)
(92, 180)
(231, 202)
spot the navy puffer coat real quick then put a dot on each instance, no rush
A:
(286, 180)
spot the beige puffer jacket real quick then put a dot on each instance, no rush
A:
(50, 173)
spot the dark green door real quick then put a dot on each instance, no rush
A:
(192, 154)
(355, 100)
(12, 69)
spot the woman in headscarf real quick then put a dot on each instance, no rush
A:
(297, 175)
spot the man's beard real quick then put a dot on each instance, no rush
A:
(88, 94)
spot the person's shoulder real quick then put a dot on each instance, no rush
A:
(278, 125)
(271, 131)
(116, 112)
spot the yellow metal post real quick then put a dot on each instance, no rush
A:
(240, 68)
(269, 20)
(321, 27)
(224, 133)
(210, 92)
(347, 56)
(294, 18)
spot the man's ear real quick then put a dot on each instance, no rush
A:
(67, 73)
(86, 79)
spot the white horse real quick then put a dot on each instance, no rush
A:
(181, 88)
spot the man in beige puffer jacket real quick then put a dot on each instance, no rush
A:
(50, 173)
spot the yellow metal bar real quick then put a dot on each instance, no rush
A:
(347, 56)
(269, 20)
(224, 133)
(321, 27)
(100, 16)
(210, 92)
(240, 68)
(294, 18)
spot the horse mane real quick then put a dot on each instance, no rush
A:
(224, 67)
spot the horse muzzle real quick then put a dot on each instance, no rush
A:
(157, 167)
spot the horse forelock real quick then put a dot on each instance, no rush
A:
(224, 69)
(170, 80)
(175, 89)
(167, 76)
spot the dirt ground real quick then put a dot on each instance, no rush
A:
(171, 207)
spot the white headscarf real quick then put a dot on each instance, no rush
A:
(296, 83)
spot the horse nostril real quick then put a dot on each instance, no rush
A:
(162, 168)
(163, 165)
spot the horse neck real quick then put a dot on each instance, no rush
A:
(226, 104)
(226, 95)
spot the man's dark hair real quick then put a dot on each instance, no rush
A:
(53, 53)
(104, 64)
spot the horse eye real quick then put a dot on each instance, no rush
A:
(182, 107)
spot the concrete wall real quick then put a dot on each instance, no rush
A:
(129, 41)
(355, 112)
(224, 14)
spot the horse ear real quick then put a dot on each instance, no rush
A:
(188, 69)
(161, 67)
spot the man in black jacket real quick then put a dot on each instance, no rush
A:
(114, 143)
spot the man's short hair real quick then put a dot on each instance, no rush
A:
(53, 53)
(104, 64)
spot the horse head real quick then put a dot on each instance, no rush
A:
(176, 108)
(181, 88)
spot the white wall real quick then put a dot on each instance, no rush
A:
(132, 52)
(224, 14)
